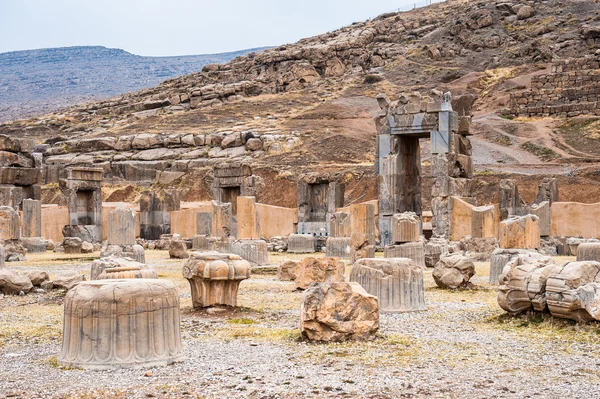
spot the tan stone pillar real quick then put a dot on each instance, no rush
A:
(362, 231)
(247, 221)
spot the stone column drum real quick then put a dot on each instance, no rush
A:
(215, 277)
(398, 283)
(112, 324)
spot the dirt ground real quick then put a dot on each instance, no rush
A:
(463, 346)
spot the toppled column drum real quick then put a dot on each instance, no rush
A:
(112, 324)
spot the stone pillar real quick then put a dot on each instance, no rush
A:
(414, 251)
(548, 191)
(398, 283)
(362, 227)
(32, 218)
(511, 203)
(10, 224)
(121, 226)
(83, 188)
(247, 219)
(542, 211)
(222, 225)
(301, 244)
(406, 239)
(112, 324)
(338, 242)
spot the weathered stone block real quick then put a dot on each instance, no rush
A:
(500, 257)
(338, 247)
(301, 243)
(287, 271)
(319, 270)
(121, 226)
(362, 227)
(397, 282)
(588, 251)
(338, 312)
(572, 291)
(454, 271)
(434, 249)
(339, 224)
(112, 324)
(214, 278)
(32, 218)
(254, 251)
(520, 232)
(247, 219)
(542, 211)
(410, 250)
(118, 268)
(12, 283)
(406, 227)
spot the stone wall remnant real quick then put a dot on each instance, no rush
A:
(362, 231)
(319, 270)
(82, 187)
(520, 232)
(155, 213)
(318, 198)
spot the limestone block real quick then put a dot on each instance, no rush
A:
(201, 242)
(121, 226)
(433, 250)
(10, 224)
(573, 244)
(453, 272)
(247, 219)
(523, 283)
(287, 271)
(483, 222)
(32, 218)
(204, 223)
(34, 244)
(500, 257)
(178, 249)
(338, 247)
(339, 224)
(301, 243)
(571, 291)
(410, 250)
(112, 324)
(362, 231)
(12, 251)
(542, 211)
(72, 245)
(520, 232)
(338, 312)
(254, 251)
(588, 251)
(67, 281)
(397, 282)
(319, 270)
(478, 249)
(87, 247)
(12, 283)
(138, 253)
(38, 278)
(406, 227)
(117, 267)
(214, 278)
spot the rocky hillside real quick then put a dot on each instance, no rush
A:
(310, 104)
(35, 82)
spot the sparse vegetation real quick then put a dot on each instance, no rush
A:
(544, 153)
(370, 79)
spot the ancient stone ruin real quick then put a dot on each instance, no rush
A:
(338, 242)
(398, 283)
(82, 188)
(362, 231)
(214, 278)
(112, 324)
(232, 180)
(338, 312)
(318, 270)
(453, 271)
(318, 199)
(155, 213)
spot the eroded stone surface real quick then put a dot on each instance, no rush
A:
(523, 283)
(319, 270)
(588, 251)
(120, 268)
(12, 283)
(215, 277)
(112, 324)
(571, 291)
(287, 271)
(397, 282)
(454, 271)
(338, 312)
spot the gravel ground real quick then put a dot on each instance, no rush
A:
(463, 346)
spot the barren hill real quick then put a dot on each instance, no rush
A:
(311, 104)
(35, 82)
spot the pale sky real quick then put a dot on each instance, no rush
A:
(178, 27)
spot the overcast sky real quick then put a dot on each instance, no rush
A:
(178, 27)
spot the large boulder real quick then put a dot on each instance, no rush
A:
(13, 283)
(588, 251)
(67, 281)
(321, 270)
(523, 283)
(571, 291)
(454, 271)
(338, 312)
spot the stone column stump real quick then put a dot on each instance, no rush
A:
(398, 283)
(214, 278)
(112, 324)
